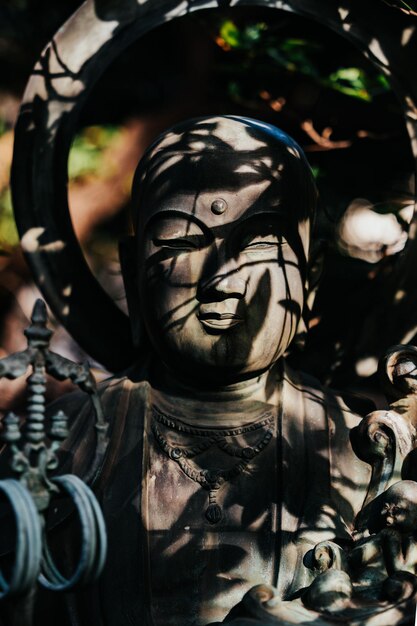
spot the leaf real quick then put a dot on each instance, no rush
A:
(230, 33)
(409, 6)
(86, 153)
(8, 230)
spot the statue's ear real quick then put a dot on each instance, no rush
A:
(314, 272)
(128, 263)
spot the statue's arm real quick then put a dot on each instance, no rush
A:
(366, 553)
(392, 549)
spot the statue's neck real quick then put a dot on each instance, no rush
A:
(240, 402)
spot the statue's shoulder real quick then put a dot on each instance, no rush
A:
(117, 397)
(123, 389)
(110, 391)
(316, 396)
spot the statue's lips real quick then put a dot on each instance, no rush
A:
(213, 320)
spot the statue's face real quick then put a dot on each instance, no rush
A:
(399, 509)
(220, 285)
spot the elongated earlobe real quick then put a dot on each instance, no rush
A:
(128, 262)
(314, 272)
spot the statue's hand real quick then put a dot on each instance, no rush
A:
(330, 592)
(329, 555)
(366, 553)
(263, 605)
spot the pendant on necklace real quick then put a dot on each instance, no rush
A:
(211, 479)
(214, 511)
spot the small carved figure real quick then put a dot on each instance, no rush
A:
(395, 547)
(370, 569)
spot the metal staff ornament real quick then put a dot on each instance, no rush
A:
(33, 455)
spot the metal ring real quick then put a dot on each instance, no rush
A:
(93, 540)
(28, 540)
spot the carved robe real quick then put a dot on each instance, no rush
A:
(166, 563)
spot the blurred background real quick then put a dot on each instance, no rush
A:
(267, 64)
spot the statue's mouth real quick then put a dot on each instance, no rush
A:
(214, 321)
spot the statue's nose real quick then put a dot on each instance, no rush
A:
(231, 285)
(226, 282)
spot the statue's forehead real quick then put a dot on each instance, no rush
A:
(222, 166)
(215, 207)
(215, 133)
(402, 496)
(196, 183)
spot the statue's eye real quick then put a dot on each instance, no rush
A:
(177, 244)
(397, 510)
(259, 234)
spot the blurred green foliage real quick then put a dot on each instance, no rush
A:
(8, 231)
(409, 6)
(353, 81)
(243, 38)
(86, 159)
(296, 55)
(86, 155)
(317, 172)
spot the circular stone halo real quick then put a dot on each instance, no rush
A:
(60, 83)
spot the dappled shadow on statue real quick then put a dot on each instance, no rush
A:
(225, 469)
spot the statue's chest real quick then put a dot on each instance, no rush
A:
(209, 508)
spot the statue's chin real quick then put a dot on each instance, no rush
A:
(216, 376)
(218, 350)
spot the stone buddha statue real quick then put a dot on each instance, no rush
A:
(224, 468)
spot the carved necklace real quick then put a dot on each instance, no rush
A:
(211, 479)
